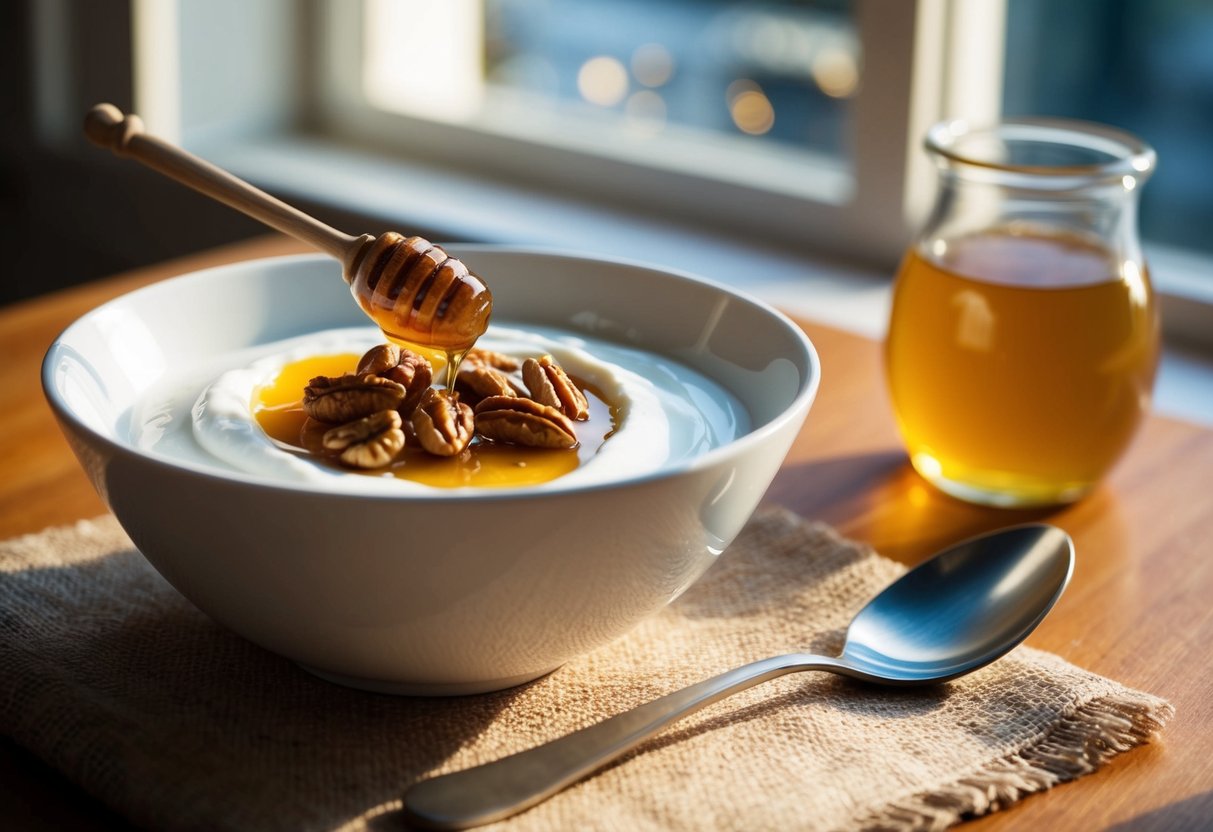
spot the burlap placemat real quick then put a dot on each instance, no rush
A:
(114, 679)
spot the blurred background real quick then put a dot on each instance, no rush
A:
(658, 129)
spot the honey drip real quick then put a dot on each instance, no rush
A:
(278, 410)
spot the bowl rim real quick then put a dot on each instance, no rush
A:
(797, 408)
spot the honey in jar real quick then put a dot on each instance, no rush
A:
(1020, 364)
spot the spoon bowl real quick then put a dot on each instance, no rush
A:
(962, 609)
(950, 615)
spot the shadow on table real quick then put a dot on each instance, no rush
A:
(879, 498)
(1195, 812)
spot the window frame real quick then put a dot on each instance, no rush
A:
(868, 217)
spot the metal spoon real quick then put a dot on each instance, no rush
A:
(957, 612)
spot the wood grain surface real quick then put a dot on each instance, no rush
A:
(1139, 609)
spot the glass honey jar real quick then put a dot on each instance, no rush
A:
(1024, 333)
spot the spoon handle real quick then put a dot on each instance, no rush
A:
(502, 788)
(108, 127)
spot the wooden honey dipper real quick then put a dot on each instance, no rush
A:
(408, 286)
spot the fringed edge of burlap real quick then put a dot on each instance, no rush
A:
(1078, 745)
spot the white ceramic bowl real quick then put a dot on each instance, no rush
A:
(444, 592)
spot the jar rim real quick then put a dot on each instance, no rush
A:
(1043, 147)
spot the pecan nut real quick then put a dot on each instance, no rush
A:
(370, 442)
(522, 421)
(490, 358)
(443, 425)
(379, 359)
(349, 397)
(549, 384)
(405, 367)
(479, 381)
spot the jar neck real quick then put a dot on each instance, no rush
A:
(1044, 176)
(1102, 212)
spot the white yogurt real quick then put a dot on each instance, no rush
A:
(668, 412)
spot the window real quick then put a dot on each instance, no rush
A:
(624, 77)
(791, 120)
(794, 120)
(1142, 65)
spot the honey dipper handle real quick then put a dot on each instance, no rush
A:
(107, 126)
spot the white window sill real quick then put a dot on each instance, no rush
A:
(453, 207)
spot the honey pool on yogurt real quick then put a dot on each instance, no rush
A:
(277, 407)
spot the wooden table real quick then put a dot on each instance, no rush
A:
(1139, 610)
